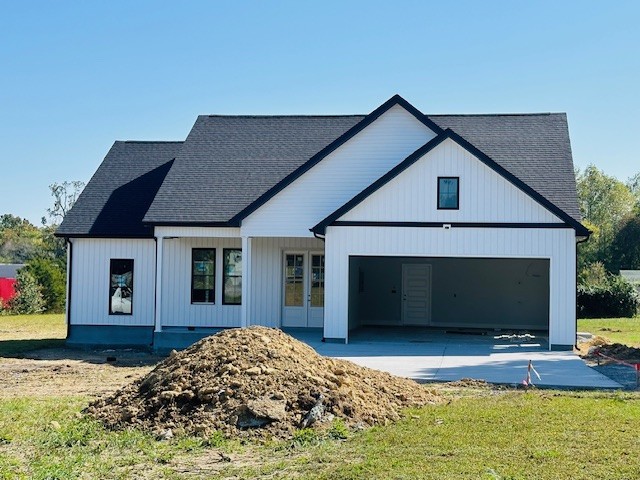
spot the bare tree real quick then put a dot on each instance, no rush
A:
(64, 196)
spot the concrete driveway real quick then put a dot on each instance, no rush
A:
(431, 355)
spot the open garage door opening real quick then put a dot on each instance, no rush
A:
(455, 293)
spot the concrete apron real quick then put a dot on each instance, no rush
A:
(439, 356)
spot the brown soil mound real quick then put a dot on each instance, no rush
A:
(256, 381)
(621, 352)
(613, 350)
(587, 348)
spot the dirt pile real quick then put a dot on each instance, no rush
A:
(256, 381)
(589, 350)
(620, 352)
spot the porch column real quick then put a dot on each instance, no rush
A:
(245, 319)
(159, 257)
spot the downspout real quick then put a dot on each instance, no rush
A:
(578, 243)
(155, 295)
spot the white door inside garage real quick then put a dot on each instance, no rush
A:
(303, 289)
(416, 294)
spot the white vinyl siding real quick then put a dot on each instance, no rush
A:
(91, 282)
(266, 267)
(177, 309)
(557, 245)
(199, 232)
(485, 196)
(339, 176)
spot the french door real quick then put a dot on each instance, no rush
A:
(303, 289)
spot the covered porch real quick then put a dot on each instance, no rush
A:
(209, 278)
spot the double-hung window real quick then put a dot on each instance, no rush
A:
(203, 275)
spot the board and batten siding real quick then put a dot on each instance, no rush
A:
(485, 196)
(339, 176)
(557, 245)
(267, 276)
(177, 309)
(91, 282)
(196, 232)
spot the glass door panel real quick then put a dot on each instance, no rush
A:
(317, 280)
(294, 280)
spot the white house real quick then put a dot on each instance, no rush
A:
(395, 218)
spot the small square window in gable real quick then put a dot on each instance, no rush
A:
(448, 193)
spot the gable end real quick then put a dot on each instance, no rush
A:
(349, 134)
(333, 219)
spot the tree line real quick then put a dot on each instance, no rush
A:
(611, 210)
(41, 284)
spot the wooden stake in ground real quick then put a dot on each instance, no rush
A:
(527, 381)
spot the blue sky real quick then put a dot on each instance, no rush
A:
(75, 76)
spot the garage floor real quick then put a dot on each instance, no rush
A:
(433, 355)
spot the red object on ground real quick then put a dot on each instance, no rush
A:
(7, 289)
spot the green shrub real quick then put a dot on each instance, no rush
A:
(594, 275)
(51, 277)
(28, 297)
(305, 437)
(605, 296)
(338, 430)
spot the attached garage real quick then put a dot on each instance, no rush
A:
(449, 292)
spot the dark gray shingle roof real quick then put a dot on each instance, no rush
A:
(227, 162)
(533, 147)
(121, 191)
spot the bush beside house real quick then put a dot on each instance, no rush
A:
(51, 277)
(603, 295)
(28, 298)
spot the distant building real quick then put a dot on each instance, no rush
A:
(632, 276)
(8, 273)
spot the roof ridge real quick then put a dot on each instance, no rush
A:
(294, 115)
(151, 141)
(534, 114)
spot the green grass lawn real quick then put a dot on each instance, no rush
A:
(21, 333)
(620, 330)
(492, 435)
(479, 434)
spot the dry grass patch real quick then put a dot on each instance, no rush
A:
(23, 333)
(617, 330)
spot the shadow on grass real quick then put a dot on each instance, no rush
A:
(16, 348)
(56, 349)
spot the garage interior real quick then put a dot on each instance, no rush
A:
(449, 293)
